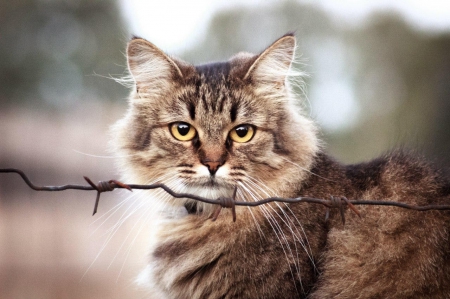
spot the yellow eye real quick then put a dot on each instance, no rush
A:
(182, 131)
(242, 133)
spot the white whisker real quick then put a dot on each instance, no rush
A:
(304, 243)
(276, 227)
(124, 241)
(119, 205)
(103, 156)
(148, 212)
(130, 201)
(240, 194)
(163, 198)
(134, 240)
(135, 204)
(297, 234)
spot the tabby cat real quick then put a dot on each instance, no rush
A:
(206, 129)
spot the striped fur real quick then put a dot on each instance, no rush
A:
(275, 250)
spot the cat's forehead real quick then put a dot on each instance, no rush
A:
(213, 72)
(214, 97)
(214, 89)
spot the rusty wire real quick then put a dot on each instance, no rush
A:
(225, 202)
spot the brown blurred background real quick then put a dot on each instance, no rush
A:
(374, 85)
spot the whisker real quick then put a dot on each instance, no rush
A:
(275, 226)
(148, 213)
(240, 194)
(112, 231)
(119, 205)
(125, 215)
(133, 241)
(132, 200)
(303, 242)
(108, 214)
(103, 156)
(297, 234)
(123, 242)
(129, 211)
(128, 251)
(123, 218)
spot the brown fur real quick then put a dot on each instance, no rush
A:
(276, 250)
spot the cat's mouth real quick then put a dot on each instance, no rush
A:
(207, 183)
(211, 183)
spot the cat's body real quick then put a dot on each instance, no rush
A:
(206, 129)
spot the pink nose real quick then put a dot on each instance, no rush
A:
(212, 166)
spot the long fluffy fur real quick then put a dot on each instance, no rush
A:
(275, 250)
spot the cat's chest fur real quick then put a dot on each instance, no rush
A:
(198, 258)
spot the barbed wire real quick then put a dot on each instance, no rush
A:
(335, 202)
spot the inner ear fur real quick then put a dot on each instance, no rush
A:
(273, 64)
(151, 67)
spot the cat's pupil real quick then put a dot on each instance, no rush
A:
(242, 131)
(183, 129)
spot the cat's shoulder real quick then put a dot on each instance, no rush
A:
(401, 171)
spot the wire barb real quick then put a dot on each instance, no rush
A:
(339, 203)
(104, 186)
(226, 202)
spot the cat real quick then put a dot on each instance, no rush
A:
(206, 129)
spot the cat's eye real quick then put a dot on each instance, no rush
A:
(242, 133)
(182, 131)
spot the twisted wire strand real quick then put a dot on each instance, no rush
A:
(223, 202)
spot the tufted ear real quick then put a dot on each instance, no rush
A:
(152, 70)
(273, 65)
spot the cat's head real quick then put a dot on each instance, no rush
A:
(205, 129)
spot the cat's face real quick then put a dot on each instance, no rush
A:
(207, 129)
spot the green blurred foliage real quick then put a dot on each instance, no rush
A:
(251, 29)
(51, 51)
(402, 82)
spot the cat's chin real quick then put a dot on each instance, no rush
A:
(211, 189)
(191, 206)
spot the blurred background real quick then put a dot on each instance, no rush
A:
(379, 78)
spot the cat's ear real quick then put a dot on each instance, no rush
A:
(272, 66)
(150, 67)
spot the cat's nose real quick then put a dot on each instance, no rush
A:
(212, 166)
(212, 157)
